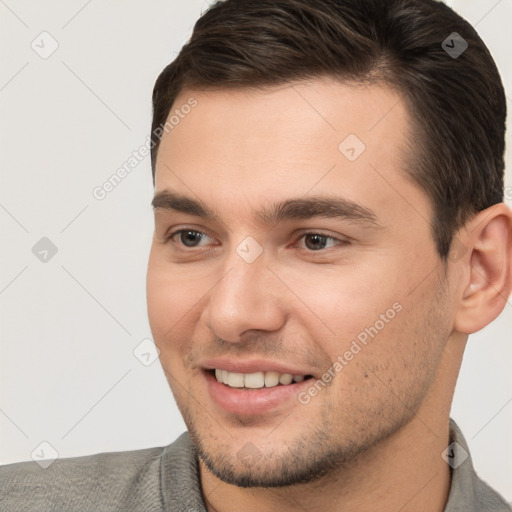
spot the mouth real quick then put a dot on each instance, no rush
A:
(259, 395)
(256, 380)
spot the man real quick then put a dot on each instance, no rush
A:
(329, 229)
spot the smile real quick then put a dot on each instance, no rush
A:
(256, 380)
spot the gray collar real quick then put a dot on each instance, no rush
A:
(467, 492)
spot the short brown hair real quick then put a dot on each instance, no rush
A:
(457, 104)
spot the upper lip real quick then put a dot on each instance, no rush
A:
(251, 366)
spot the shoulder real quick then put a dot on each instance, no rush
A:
(128, 480)
(468, 492)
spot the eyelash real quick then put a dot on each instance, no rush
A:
(310, 233)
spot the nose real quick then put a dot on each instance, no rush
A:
(246, 298)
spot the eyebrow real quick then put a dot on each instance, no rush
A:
(290, 209)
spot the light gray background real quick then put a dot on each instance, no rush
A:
(68, 374)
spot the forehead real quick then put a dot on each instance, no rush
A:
(304, 117)
(319, 136)
(315, 99)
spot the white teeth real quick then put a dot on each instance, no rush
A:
(256, 380)
(271, 379)
(235, 380)
(285, 378)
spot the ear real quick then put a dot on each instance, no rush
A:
(484, 249)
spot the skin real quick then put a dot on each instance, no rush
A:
(376, 433)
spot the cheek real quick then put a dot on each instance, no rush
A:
(365, 325)
(175, 296)
(167, 299)
(341, 302)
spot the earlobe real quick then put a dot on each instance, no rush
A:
(487, 278)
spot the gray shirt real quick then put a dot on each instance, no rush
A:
(167, 479)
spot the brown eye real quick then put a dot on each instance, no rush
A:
(317, 241)
(189, 237)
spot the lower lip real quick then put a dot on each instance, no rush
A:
(253, 401)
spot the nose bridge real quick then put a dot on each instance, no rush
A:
(244, 298)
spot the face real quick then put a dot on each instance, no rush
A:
(292, 260)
